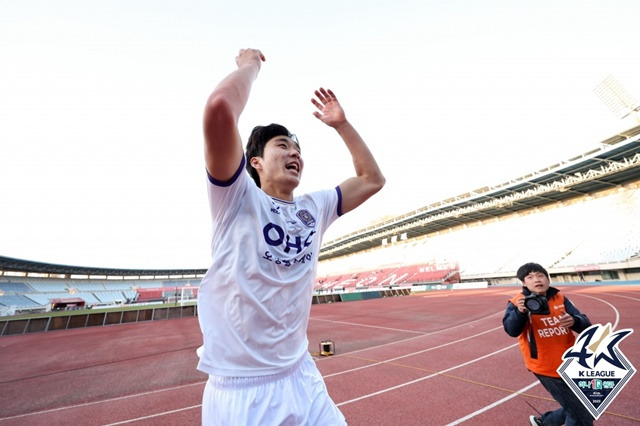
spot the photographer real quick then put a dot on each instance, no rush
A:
(544, 320)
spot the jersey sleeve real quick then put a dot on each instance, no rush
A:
(328, 202)
(225, 197)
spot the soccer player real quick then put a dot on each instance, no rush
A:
(254, 301)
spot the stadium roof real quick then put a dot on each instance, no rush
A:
(615, 162)
(19, 265)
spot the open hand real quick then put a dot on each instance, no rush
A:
(329, 110)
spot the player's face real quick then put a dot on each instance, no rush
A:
(537, 282)
(281, 164)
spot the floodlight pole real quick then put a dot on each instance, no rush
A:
(617, 99)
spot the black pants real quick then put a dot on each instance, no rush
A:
(571, 412)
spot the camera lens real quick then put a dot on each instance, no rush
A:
(533, 305)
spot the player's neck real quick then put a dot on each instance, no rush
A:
(281, 194)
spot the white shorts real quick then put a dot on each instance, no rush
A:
(295, 397)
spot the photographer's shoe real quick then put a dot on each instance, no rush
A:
(535, 421)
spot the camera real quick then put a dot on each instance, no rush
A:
(536, 304)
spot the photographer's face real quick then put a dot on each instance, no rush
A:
(537, 282)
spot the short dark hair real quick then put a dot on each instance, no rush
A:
(259, 137)
(528, 268)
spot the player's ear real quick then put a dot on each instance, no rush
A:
(256, 163)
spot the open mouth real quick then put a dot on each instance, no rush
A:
(294, 167)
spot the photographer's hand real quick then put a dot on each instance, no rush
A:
(520, 306)
(566, 320)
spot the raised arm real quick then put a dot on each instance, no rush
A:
(223, 146)
(368, 179)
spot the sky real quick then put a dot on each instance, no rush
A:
(101, 147)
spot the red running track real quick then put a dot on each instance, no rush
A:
(434, 358)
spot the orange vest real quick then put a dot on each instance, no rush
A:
(543, 354)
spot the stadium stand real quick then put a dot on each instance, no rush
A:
(35, 294)
(393, 277)
(608, 234)
(49, 286)
(578, 217)
(17, 300)
(14, 287)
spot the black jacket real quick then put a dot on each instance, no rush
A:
(514, 321)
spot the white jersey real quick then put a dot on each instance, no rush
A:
(254, 301)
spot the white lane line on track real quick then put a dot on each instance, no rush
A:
(86, 404)
(426, 377)
(615, 325)
(412, 353)
(495, 404)
(393, 359)
(467, 324)
(353, 400)
(203, 382)
(619, 295)
(154, 415)
(402, 329)
(345, 402)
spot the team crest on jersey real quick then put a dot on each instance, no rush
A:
(306, 218)
(595, 369)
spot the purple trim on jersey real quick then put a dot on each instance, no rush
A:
(230, 181)
(339, 200)
(291, 203)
